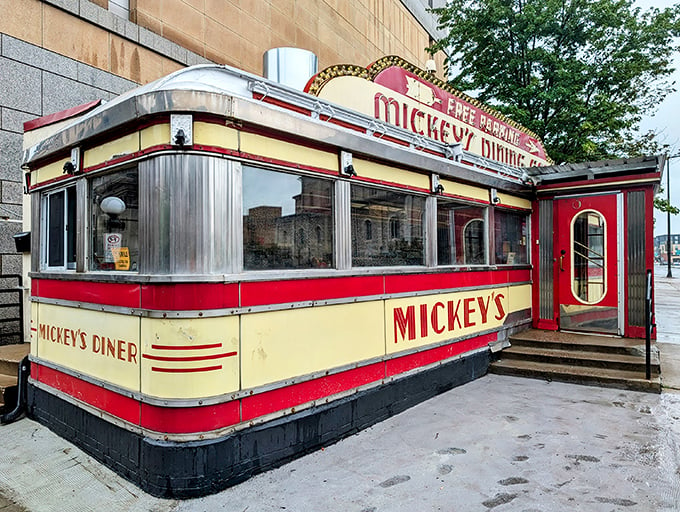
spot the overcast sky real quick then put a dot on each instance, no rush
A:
(666, 123)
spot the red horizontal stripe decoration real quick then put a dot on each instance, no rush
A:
(296, 394)
(186, 347)
(259, 293)
(185, 370)
(426, 357)
(112, 294)
(405, 283)
(189, 296)
(114, 403)
(187, 420)
(188, 358)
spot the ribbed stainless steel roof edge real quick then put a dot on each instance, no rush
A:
(599, 168)
(216, 89)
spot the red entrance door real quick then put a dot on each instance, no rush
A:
(586, 247)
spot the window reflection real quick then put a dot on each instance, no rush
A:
(114, 211)
(510, 237)
(461, 234)
(287, 221)
(387, 227)
(588, 257)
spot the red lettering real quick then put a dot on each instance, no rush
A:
(403, 322)
(121, 350)
(83, 343)
(414, 124)
(110, 348)
(423, 320)
(499, 306)
(434, 318)
(96, 344)
(453, 315)
(132, 352)
(483, 307)
(43, 331)
(468, 309)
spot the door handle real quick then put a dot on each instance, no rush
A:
(562, 253)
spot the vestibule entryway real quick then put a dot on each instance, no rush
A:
(592, 231)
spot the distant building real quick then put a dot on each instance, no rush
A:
(661, 245)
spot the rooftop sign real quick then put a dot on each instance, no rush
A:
(396, 92)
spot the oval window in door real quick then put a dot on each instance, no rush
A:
(588, 262)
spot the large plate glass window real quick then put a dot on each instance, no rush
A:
(461, 233)
(114, 214)
(510, 237)
(387, 227)
(287, 221)
(59, 221)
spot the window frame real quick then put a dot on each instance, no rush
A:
(69, 227)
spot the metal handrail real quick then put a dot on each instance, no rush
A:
(649, 325)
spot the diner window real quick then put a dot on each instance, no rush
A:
(59, 221)
(276, 204)
(395, 236)
(114, 214)
(461, 233)
(510, 237)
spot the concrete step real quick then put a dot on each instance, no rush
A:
(604, 377)
(11, 356)
(587, 358)
(559, 340)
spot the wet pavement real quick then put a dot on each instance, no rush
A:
(496, 444)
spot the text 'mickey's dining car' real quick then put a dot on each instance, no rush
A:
(227, 272)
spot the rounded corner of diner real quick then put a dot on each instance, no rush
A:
(222, 264)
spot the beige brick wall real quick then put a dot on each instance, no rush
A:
(59, 31)
(234, 32)
(238, 32)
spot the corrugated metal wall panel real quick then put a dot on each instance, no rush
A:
(545, 257)
(635, 234)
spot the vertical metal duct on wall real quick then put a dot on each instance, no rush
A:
(290, 66)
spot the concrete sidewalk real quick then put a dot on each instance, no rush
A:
(498, 443)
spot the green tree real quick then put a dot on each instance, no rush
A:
(579, 73)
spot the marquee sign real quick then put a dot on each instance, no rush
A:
(396, 92)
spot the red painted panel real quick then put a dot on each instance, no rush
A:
(114, 403)
(189, 296)
(112, 294)
(424, 282)
(290, 396)
(190, 419)
(300, 290)
(411, 361)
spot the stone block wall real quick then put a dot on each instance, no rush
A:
(36, 82)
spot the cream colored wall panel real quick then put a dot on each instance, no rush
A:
(210, 134)
(517, 202)
(155, 135)
(285, 151)
(103, 153)
(466, 191)
(520, 297)
(190, 358)
(49, 172)
(102, 345)
(367, 169)
(280, 345)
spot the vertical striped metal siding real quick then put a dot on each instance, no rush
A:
(545, 259)
(635, 235)
(184, 215)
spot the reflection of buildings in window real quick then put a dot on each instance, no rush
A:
(510, 237)
(386, 227)
(456, 243)
(272, 240)
(474, 242)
